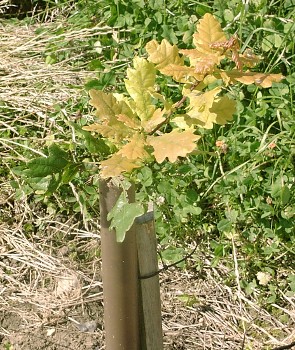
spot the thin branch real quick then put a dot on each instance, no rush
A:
(166, 267)
(285, 347)
(178, 105)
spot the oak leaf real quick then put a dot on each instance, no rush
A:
(135, 149)
(141, 79)
(184, 121)
(107, 106)
(130, 122)
(193, 54)
(107, 109)
(116, 165)
(205, 66)
(163, 54)
(204, 63)
(224, 108)
(122, 216)
(199, 107)
(259, 79)
(249, 59)
(205, 119)
(175, 144)
(156, 119)
(115, 132)
(179, 73)
(208, 31)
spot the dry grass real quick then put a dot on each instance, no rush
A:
(201, 313)
(42, 281)
(4, 4)
(28, 85)
(35, 277)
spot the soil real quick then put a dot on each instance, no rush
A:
(62, 338)
(197, 314)
(74, 329)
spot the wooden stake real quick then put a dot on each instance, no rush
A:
(151, 321)
(119, 276)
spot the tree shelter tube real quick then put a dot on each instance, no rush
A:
(119, 276)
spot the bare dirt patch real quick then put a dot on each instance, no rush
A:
(46, 300)
(57, 336)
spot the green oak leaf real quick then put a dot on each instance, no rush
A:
(122, 216)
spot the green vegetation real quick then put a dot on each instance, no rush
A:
(237, 192)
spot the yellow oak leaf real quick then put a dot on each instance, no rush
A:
(259, 79)
(208, 31)
(188, 88)
(175, 144)
(141, 79)
(178, 73)
(224, 108)
(98, 128)
(199, 107)
(163, 54)
(205, 66)
(115, 133)
(154, 121)
(107, 106)
(198, 59)
(184, 121)
(202, 100)
(130, 122)
(107, 110)
(135, 149)
(249, 59)
(205, 119)
(209, 79)
(226, 79)
(192, 54)
(116, 165)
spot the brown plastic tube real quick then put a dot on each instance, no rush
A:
(119, 276)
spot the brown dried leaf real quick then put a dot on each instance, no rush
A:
(259, 79)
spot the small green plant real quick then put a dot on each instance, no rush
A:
(145, 126)
(8, 346)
